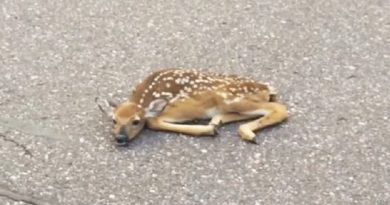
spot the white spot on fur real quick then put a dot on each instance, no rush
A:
(232, 89)
(234, 100)
(167, 94)
(183, 93)
(188, 89)
(223, 95)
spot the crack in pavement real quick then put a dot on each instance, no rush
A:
(21, 197)
(22, 146)
(32, 129)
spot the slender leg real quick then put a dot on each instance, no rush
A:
(226, 118)
(195, 130)
(275, 113)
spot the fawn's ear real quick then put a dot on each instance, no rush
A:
(155, 107)
(107, 107)
(112, 104)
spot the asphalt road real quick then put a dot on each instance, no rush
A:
(330, 61)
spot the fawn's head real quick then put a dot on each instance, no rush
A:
(129, 118)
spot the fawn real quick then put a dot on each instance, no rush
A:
(169, 98)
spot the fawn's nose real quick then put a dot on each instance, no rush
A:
(121, 139)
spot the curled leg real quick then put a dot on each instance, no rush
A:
(226, 118)
(273, 113)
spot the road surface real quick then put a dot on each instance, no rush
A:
(329, 60)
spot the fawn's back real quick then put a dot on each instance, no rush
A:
(212, 89)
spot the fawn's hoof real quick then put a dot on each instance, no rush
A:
(247, 135)
(216, 129)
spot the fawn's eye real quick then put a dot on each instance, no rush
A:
(135, 122)
(114, 121)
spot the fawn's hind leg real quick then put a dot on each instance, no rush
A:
(273, 113)
(226, 118)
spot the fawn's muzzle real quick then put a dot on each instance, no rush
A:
(122, 138)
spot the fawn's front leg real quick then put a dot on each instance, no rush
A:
(158, 123)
